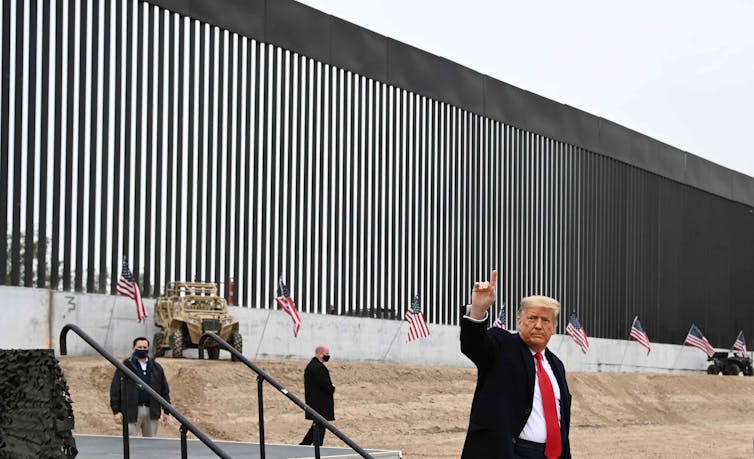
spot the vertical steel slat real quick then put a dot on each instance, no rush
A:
(211, 157)
(67, 235)
(105, 201)
(203, 158)
(4, 132)
(394, 235)
(237, 192)
(297, 177)
(94, 152)
(216, 275)
(380, 279)
(334, 302)
(127, 246)
(41, 281)
(255, 157)
(400, 155)
(275, 242)
(149, 207)
(81, 144)
(170, 245)
(370, 162)
(359, 212)
(263, 157)
(282, 208)
(15, 198)
(245, 287)
(180, 89)
(190, 155)
(117, 106)
(138, 151)
(229, 164)
(348, 223)
(31, 152)
(159, 247)
(321, 260)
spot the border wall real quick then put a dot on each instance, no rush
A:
(40, 314)
(245, 140)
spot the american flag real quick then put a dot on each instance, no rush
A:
(576, 331)
(740, 344)
(696, 338)
(638, 333)
(417, 327)
(285, 302)
(130, 288)
(502, 319)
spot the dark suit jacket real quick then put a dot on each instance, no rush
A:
(158, 382)
(319, 389)
(505, 391)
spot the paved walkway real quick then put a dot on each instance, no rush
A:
(102, 447)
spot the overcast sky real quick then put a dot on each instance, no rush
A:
(681, 71)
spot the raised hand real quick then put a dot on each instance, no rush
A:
(482, 296)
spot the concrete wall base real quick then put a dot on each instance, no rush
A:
(34, 318)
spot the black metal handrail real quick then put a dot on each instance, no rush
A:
(263, 376)
(185, 423)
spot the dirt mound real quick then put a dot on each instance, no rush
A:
(423, 411)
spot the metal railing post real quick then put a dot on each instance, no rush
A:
(124, 417)
(184, 443)
(260, 398)
(319, 435)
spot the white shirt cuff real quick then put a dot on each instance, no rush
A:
(468, 317)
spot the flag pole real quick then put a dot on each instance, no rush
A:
(625, 351)
(678, 356)
(397, 331)
(261, 336)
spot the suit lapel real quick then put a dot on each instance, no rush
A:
(559, 376)
(528, 360)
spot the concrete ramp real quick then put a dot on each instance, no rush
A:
(106, 446)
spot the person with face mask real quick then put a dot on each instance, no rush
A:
(319, 391)
(142, 413)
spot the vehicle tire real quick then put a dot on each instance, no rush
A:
(213, 352)
(748, 370)
(236, 340)
(713, 369)
(157, 349)
(731, 369)
(176, 344)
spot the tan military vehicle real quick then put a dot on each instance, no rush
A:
(185, 312)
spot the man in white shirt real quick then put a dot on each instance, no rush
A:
(521, 406)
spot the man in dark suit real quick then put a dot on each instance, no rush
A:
(141, 411)
(521, 406)
(319, 391)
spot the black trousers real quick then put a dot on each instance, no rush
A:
(523, 453)
(311, 433)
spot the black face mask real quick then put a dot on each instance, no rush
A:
(141, 353)
(326, 357)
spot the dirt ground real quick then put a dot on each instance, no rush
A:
(423, 411)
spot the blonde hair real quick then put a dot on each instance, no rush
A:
(539, 301)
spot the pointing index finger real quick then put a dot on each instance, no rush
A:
(493, 280)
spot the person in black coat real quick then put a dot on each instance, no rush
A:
(513, 415)
(141, 411)
(319, 391)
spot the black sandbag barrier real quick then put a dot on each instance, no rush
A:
(36, 417)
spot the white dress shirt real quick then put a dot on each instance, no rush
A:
(536, 428)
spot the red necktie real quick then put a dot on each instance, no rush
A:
(553, 446)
